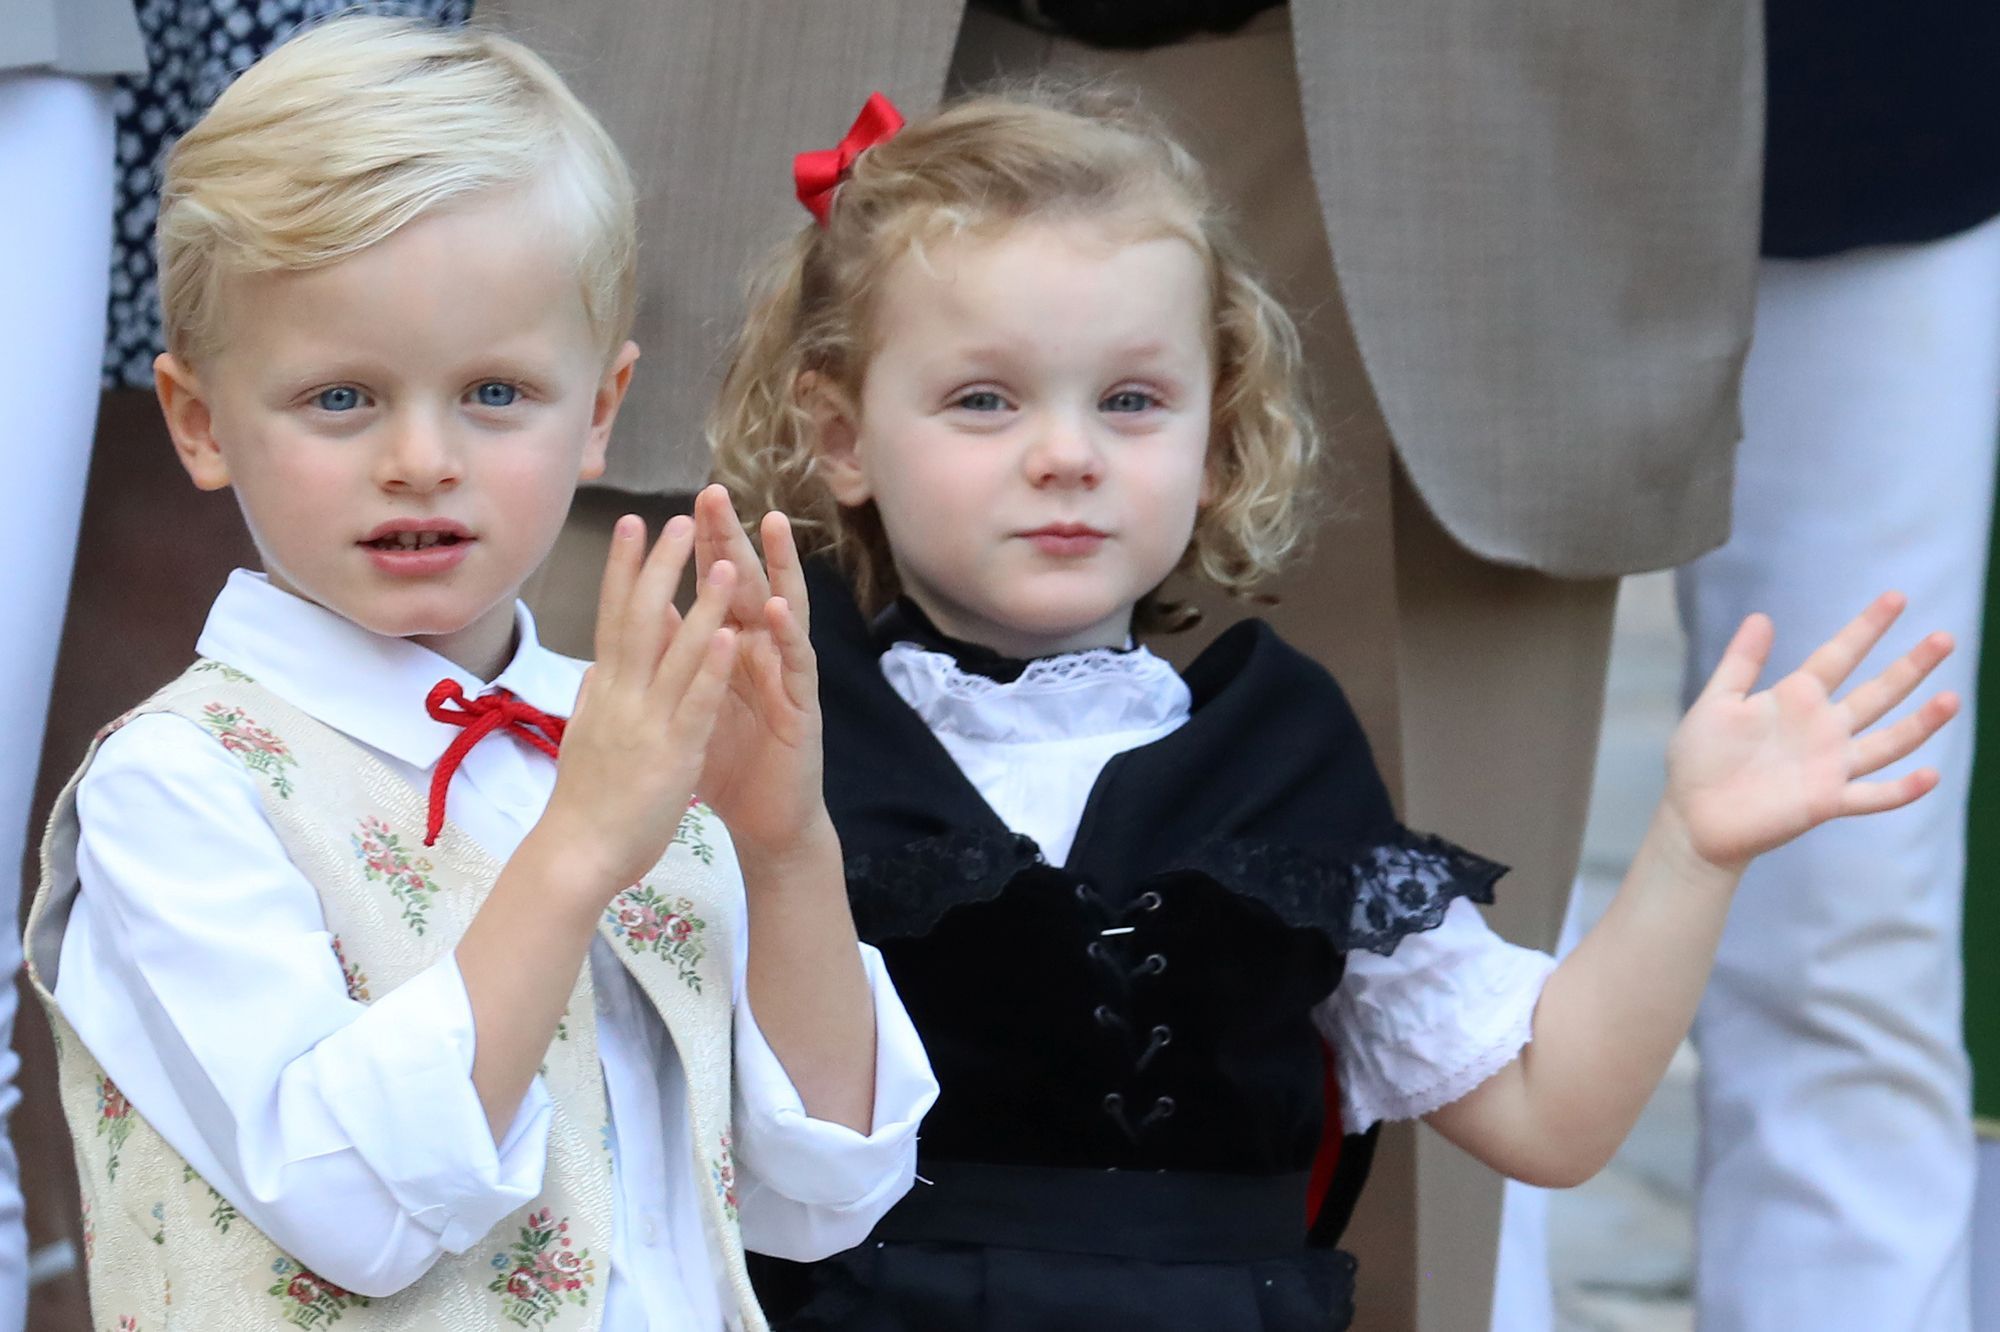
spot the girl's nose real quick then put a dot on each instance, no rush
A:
(1064, 454)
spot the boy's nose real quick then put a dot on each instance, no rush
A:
(420, 455)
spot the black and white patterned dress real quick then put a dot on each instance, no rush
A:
(194, 48)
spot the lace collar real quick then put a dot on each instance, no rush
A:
(965, 690)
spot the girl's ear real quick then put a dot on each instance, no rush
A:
(189, 421)
(836, 439)
(604, 409)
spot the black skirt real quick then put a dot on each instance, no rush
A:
(1030, 1249)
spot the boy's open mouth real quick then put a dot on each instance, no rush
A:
(413, 540)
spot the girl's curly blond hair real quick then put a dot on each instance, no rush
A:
(976, 167)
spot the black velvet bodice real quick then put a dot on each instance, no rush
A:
(1148, 1004)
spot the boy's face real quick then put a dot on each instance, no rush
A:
(405, 428)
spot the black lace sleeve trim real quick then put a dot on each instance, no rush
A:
(1367, 898)
(905, 892)
(1371, 897)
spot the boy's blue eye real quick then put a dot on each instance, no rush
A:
(981, 400)
(1129, 400)
(343, 398)
(494, 393)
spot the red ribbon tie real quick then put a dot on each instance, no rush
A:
(818, 174)
(495, 711)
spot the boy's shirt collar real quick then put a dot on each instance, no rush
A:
(367, 685)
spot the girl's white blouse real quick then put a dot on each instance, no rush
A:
(1412, 1032)
(196, 968)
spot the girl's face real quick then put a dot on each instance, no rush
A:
(1033, 429)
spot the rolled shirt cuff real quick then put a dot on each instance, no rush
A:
(398, 1082)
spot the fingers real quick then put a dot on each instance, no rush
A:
(649, 621)
(687, 653)
(1878, 749)
(694, 718)
(1836, 658)
(1743, 660)
(1868, 703)
(720, 537)
(788, 572)
(1876, 797)
(797, 673)
(621, 569)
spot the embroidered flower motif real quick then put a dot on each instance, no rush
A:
(307, 1299)
(229, 673)
(650, 923)
(223, 1213)
(114, 1121)
(160, 1216)
(541, 1272)
(693, 832)
(89, 1235)
(722, 1172)
(260, 751)
(356, 978)
(127, 1323)
(385, 860)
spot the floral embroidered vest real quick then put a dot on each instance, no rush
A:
(166, 1251)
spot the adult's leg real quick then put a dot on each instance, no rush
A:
(1836, 1162)
(1502, 687)
(55, 264)
(1986, 1240)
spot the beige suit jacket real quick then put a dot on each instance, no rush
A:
(71, 36)
(1543, 220)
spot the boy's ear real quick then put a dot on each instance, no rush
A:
(836, 438)
(185, 405)
(604, 409)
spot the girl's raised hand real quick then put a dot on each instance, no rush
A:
(634, 749)
(1748, 772)
(764, 767)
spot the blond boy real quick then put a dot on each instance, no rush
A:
(371, 1011)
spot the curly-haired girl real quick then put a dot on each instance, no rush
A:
(1013, 378)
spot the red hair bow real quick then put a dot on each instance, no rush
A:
(481, 717)
(818, 174)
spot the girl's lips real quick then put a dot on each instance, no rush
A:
(419, 562)
(1066, 542)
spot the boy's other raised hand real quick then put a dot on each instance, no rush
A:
(1749, 771)
(764, 767)
(634, 749)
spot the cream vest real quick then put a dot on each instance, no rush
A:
(166, 1251)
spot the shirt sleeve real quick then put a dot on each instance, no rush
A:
(807, 1188)
(1416, 1030)
(198, 970)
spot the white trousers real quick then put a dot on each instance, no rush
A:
(55, 264)
(1836, 1163)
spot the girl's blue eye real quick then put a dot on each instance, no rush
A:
(981, 400)
(344, 398)
(494, 393)
(1129, 400)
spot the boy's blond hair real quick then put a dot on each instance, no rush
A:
(363, 124)
(976, 167)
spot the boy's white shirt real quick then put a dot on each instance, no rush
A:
(351, 1134)
(1413, 1031)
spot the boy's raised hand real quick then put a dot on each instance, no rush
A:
(1748, 772)
(764, 766)
(633, 751)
